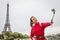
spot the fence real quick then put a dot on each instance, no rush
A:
(29, 39)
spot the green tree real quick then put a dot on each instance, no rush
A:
(15, 35)
(8, 34)
(1, 36)
(26, 36)
(58, 35)
(20, 35)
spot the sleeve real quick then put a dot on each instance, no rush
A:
(46, 24)
(31, 34)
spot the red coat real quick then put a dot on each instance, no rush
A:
(38, 30)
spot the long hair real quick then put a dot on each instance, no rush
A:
(31, 24)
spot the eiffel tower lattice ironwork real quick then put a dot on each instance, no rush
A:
(7, 24)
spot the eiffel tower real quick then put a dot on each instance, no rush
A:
(7, 23)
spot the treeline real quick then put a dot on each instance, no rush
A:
(13, 35)
(54, 35)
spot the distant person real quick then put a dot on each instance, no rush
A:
(37, 29)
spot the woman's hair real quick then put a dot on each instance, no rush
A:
(31, 23)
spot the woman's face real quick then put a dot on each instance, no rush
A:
(34, 20)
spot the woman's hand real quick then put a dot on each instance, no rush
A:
(51, 22)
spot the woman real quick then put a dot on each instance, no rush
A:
(37, 29)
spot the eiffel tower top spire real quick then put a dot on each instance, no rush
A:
(7, 16)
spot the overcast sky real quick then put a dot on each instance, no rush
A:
(21, 10)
